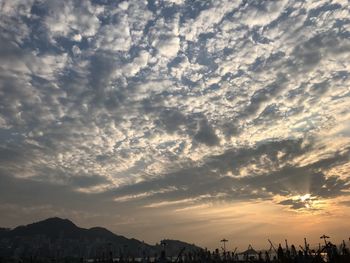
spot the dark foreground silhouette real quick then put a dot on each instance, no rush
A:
(60, 240)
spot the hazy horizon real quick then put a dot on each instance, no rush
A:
(241, 242)
(182, 119)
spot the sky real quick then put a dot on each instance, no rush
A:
(184, 119)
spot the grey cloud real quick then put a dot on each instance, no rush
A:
(19, 159)
(102, 66)
(346, 203)
(211, 175)
(87, 181)
(24, 200)
(209, 180)
(315, 12)
(206, 134)
(264, 95)
(308, 54)
(294, 204)
(30, 192)
(272, 61)
(305, 56)
(320, 88)
(13, 80)
(294, 180)
(8, 154)
(276, 178)
(230, 128)
(197, 126)
(271, 113)
(172, 119)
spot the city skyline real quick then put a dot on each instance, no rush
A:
(189, 120)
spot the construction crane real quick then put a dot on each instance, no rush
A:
(272, 246)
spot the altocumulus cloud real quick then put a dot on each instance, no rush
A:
(170, 103)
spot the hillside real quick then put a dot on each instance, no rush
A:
(56, 235)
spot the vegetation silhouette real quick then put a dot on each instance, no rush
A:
(61, 241)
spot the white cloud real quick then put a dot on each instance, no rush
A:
(167, 47)
(16, 7)
(137, 64)
(48, 66)
(164, 37)
(70, 18)
(114, 37)
(207, 19)
(261, 14)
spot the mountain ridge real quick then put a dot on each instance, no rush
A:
(57, 232)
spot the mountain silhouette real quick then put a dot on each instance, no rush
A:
(45, 236)
(57, 228)
(52, 228)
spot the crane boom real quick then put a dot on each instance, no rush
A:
(272, 245)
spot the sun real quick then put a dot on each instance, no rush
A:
(309, 202)
(304, 197)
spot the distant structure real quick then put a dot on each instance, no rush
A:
(224, 240)
(324, 237)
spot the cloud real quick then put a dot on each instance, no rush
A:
(172, 120)
(164, 36)
(86, 181)
(115, 37)
(229, 177)
(310, 53)
(346, 203)
(71, 19)
(206, 20)
(295, 204)
(254, 13)
(206, 134)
